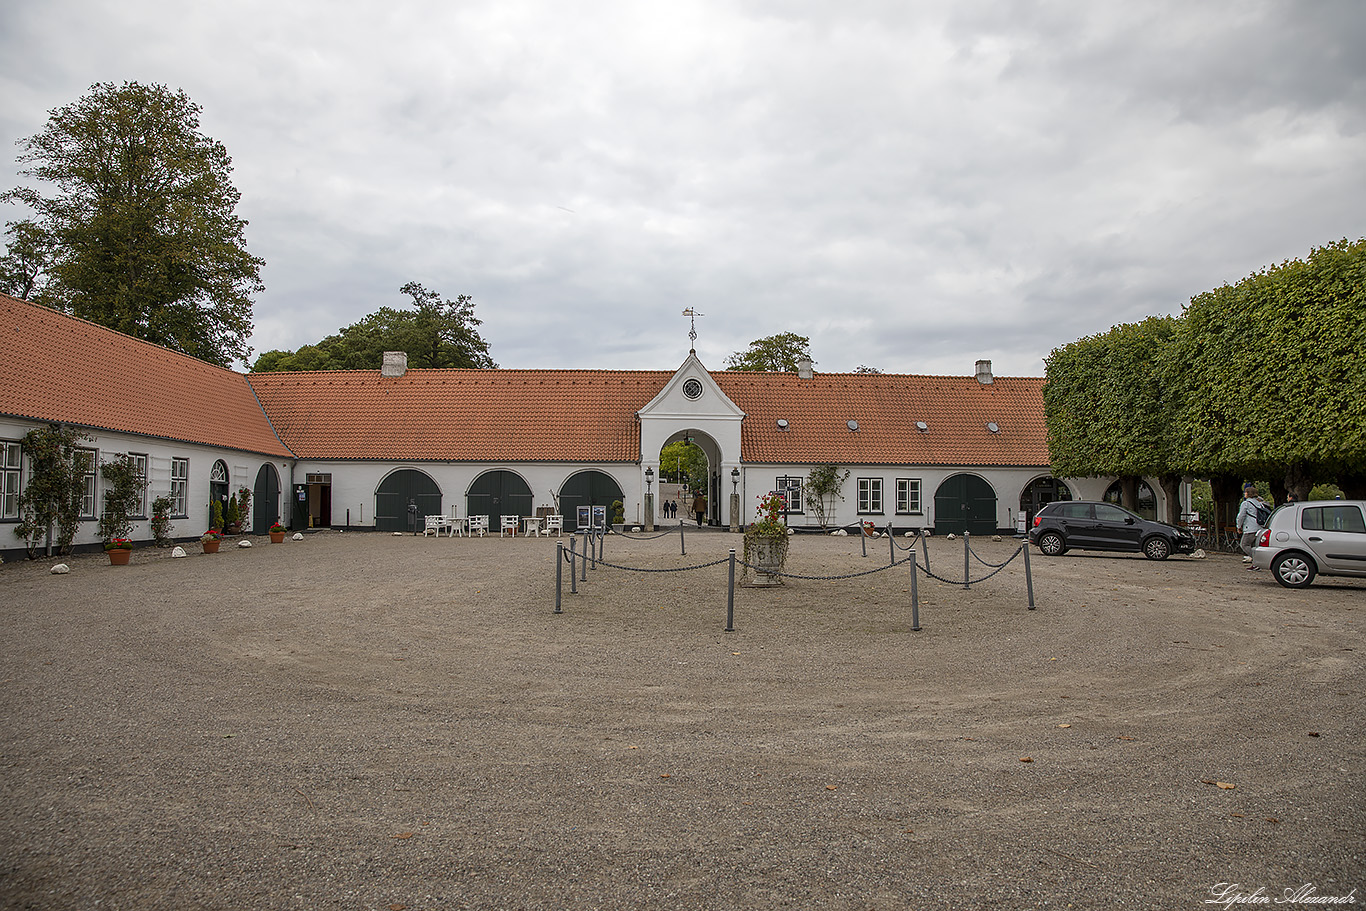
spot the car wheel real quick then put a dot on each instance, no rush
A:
(1050, 542)
(1293, 570)
(1156, 548)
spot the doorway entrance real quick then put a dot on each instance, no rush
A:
(401, 489)
(1038, 494)
(965, 503)
(587, 488)
(265, 499)
(218, 493)
(319, 499)
(499, 493)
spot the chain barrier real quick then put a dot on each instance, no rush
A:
(651, 569)
(984, 562)
(914, 541)
(998, 568)
(866, 572)
(632, 536)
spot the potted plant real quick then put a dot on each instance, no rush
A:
(121, 498)
(277, 533)
(216, 516)
(120, 551)
(210, 540)
(618, 515)
(766, 544)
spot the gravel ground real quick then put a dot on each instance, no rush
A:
(364, 721)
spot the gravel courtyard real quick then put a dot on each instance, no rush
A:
(363, 721)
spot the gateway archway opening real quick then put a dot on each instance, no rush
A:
(689, 476)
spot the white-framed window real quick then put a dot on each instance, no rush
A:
(86, 461)
(870, 495)
(908, 496)
(11, 461)
(140, 462)
(792, 489)
(180, 485)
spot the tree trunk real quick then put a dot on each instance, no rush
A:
(1224, 489)
(1128, 492)
(1171, 486)
(1298, 481)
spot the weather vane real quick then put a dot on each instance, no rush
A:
(692, 316)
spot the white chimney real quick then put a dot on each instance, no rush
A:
(395, 363)
(804, 368)
(984, 372)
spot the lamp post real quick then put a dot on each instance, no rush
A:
(649, 499)
(735, 499)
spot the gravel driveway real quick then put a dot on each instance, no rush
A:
(365, 721)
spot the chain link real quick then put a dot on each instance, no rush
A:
(649, 569)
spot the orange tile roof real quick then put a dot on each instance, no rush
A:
(54, 367)
(956, 411)
(589, 416)
(461, 415)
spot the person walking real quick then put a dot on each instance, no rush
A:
(699, 506)
(1249, 521)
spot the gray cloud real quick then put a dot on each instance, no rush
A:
(912, 185)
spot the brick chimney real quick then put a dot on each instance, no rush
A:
(984, 372)
(395, 363)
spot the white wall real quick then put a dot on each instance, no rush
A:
(242, 469)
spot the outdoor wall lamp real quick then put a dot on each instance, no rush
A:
(649, 478)
(735, 479)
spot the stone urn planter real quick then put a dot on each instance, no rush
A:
(764, 560)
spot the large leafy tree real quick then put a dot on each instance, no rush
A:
(1274, 370)
(772, 354)
(1108, 401)
(437, 332)
(139, 226)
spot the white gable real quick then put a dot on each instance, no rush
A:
(691, 393)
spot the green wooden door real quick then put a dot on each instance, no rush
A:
(962, 503)
(587, 488)
(496, 494)
(403, 487)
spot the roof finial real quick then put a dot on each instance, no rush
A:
(692, 316)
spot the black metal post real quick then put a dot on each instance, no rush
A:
(915, 596)
(1029, 577)
(891, 544)
(925, 543)
(573, 566)
(682, 544)
(730, 595)
(863, 539)
(559, 574)
(967, 569)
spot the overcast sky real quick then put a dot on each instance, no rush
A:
(914, 185)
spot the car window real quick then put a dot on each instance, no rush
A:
(1333, 518)
(1107, 513)
(1075, 510)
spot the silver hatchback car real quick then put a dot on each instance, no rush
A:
(1320, 537)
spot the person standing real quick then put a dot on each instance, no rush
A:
(1248, 522)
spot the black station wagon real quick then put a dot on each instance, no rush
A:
(1063, 525)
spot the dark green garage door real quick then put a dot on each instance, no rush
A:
(496, 494)
(587, 488)
(397, 491)
(265, 499)
(962, 503)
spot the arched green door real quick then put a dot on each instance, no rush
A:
(496, 494)
(962, 503)
(397, 491)
(265, 499)
(587, 488)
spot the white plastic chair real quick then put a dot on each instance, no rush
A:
(555, 524)
(509, 526)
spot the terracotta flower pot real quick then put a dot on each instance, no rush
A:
(277, 537)
(119, 557)
(211, 547)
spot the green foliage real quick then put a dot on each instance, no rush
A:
(773, 354)
(55, 488)
(161, 521)
(231, 516)
(1274, 370)
(24, 267)
(244, 506)
(140, 225)
(618, 512)
(216, 516)
(436, 333)
(124, 485)
(768, 528)
(679, 462)
(822, 486)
